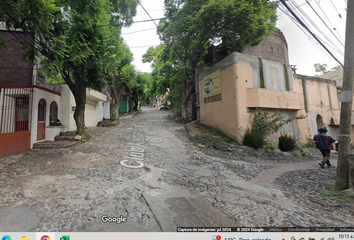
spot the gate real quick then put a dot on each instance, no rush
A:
(15, 119)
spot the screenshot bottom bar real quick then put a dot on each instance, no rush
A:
(178, 235)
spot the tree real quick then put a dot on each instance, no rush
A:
(320, 68)
(72, 36)
(190, 27)
(116, 63)
(138, 89)
(336, 68)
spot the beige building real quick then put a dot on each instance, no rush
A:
(232, 88)
(94, 100)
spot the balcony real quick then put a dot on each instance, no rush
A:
(267, 98)
(95, 95)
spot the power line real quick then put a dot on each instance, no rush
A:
(313, 35)
(145, 46)
(301, 12)
(340, 16)
(139, 31)
(334, 28)
(324, 23)
(148, 20)
(158, 31)
(148, 13)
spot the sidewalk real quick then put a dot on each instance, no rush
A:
(268, 176)
(128, 115)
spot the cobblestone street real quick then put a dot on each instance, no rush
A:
(65, 190)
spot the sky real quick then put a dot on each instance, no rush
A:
(304, 52)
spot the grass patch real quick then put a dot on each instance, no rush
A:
(87, 136)
(217, 134)
(333, 193)
(196, 143)
(303, 153)
(269, 146)
(241, 155)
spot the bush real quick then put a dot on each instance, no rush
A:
(287, 143)
(55, 123)
(254, 139)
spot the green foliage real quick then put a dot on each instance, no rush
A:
(254, 138)
(320, 68)
(265, 123)
(190, 27)
(270, 123)
(55, 79)
(218, 134)
(287, 142)
(331, 192)
(269, 146)
(87, 136)
(74, 38)
(55, 123)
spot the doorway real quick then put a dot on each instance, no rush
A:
(41, 120)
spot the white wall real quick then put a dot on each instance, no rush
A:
(67, 101)
(107, 110)
(92, 116)
(91, 113)
(100, 111)
(49, 97)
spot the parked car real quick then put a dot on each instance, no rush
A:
(163, 107)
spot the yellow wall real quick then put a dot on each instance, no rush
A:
(241, 92)
(221, 114)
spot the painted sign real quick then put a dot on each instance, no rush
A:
(212, 87)
(213, 98)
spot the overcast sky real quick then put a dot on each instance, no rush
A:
(303, 51)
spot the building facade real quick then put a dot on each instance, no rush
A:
(229, 91)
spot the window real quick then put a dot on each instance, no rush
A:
(53, 114)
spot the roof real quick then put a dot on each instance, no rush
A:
(333, 75)
(336, 75)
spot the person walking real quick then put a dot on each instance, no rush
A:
(325, 144)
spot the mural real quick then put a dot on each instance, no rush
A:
(212, 87)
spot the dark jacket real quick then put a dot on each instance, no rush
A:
(323, 142)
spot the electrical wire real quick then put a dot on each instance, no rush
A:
(334, 28)
(324, 23)
(139, 31)
(340, 16)
(313, 35)
(145, 46)
(302, 13)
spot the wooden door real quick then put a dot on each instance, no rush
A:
(41, 120)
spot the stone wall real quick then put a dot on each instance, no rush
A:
(274, 47)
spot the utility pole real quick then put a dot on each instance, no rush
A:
(346, 99)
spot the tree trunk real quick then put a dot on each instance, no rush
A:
(117, 95)
(78, 89)
(79, 114)
(188, 91)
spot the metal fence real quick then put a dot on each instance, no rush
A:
(15, 108)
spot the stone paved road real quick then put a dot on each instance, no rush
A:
(179, 185)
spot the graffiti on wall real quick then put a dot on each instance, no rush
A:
(212, 87)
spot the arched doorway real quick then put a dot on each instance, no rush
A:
(41, 120)
(319, 122)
